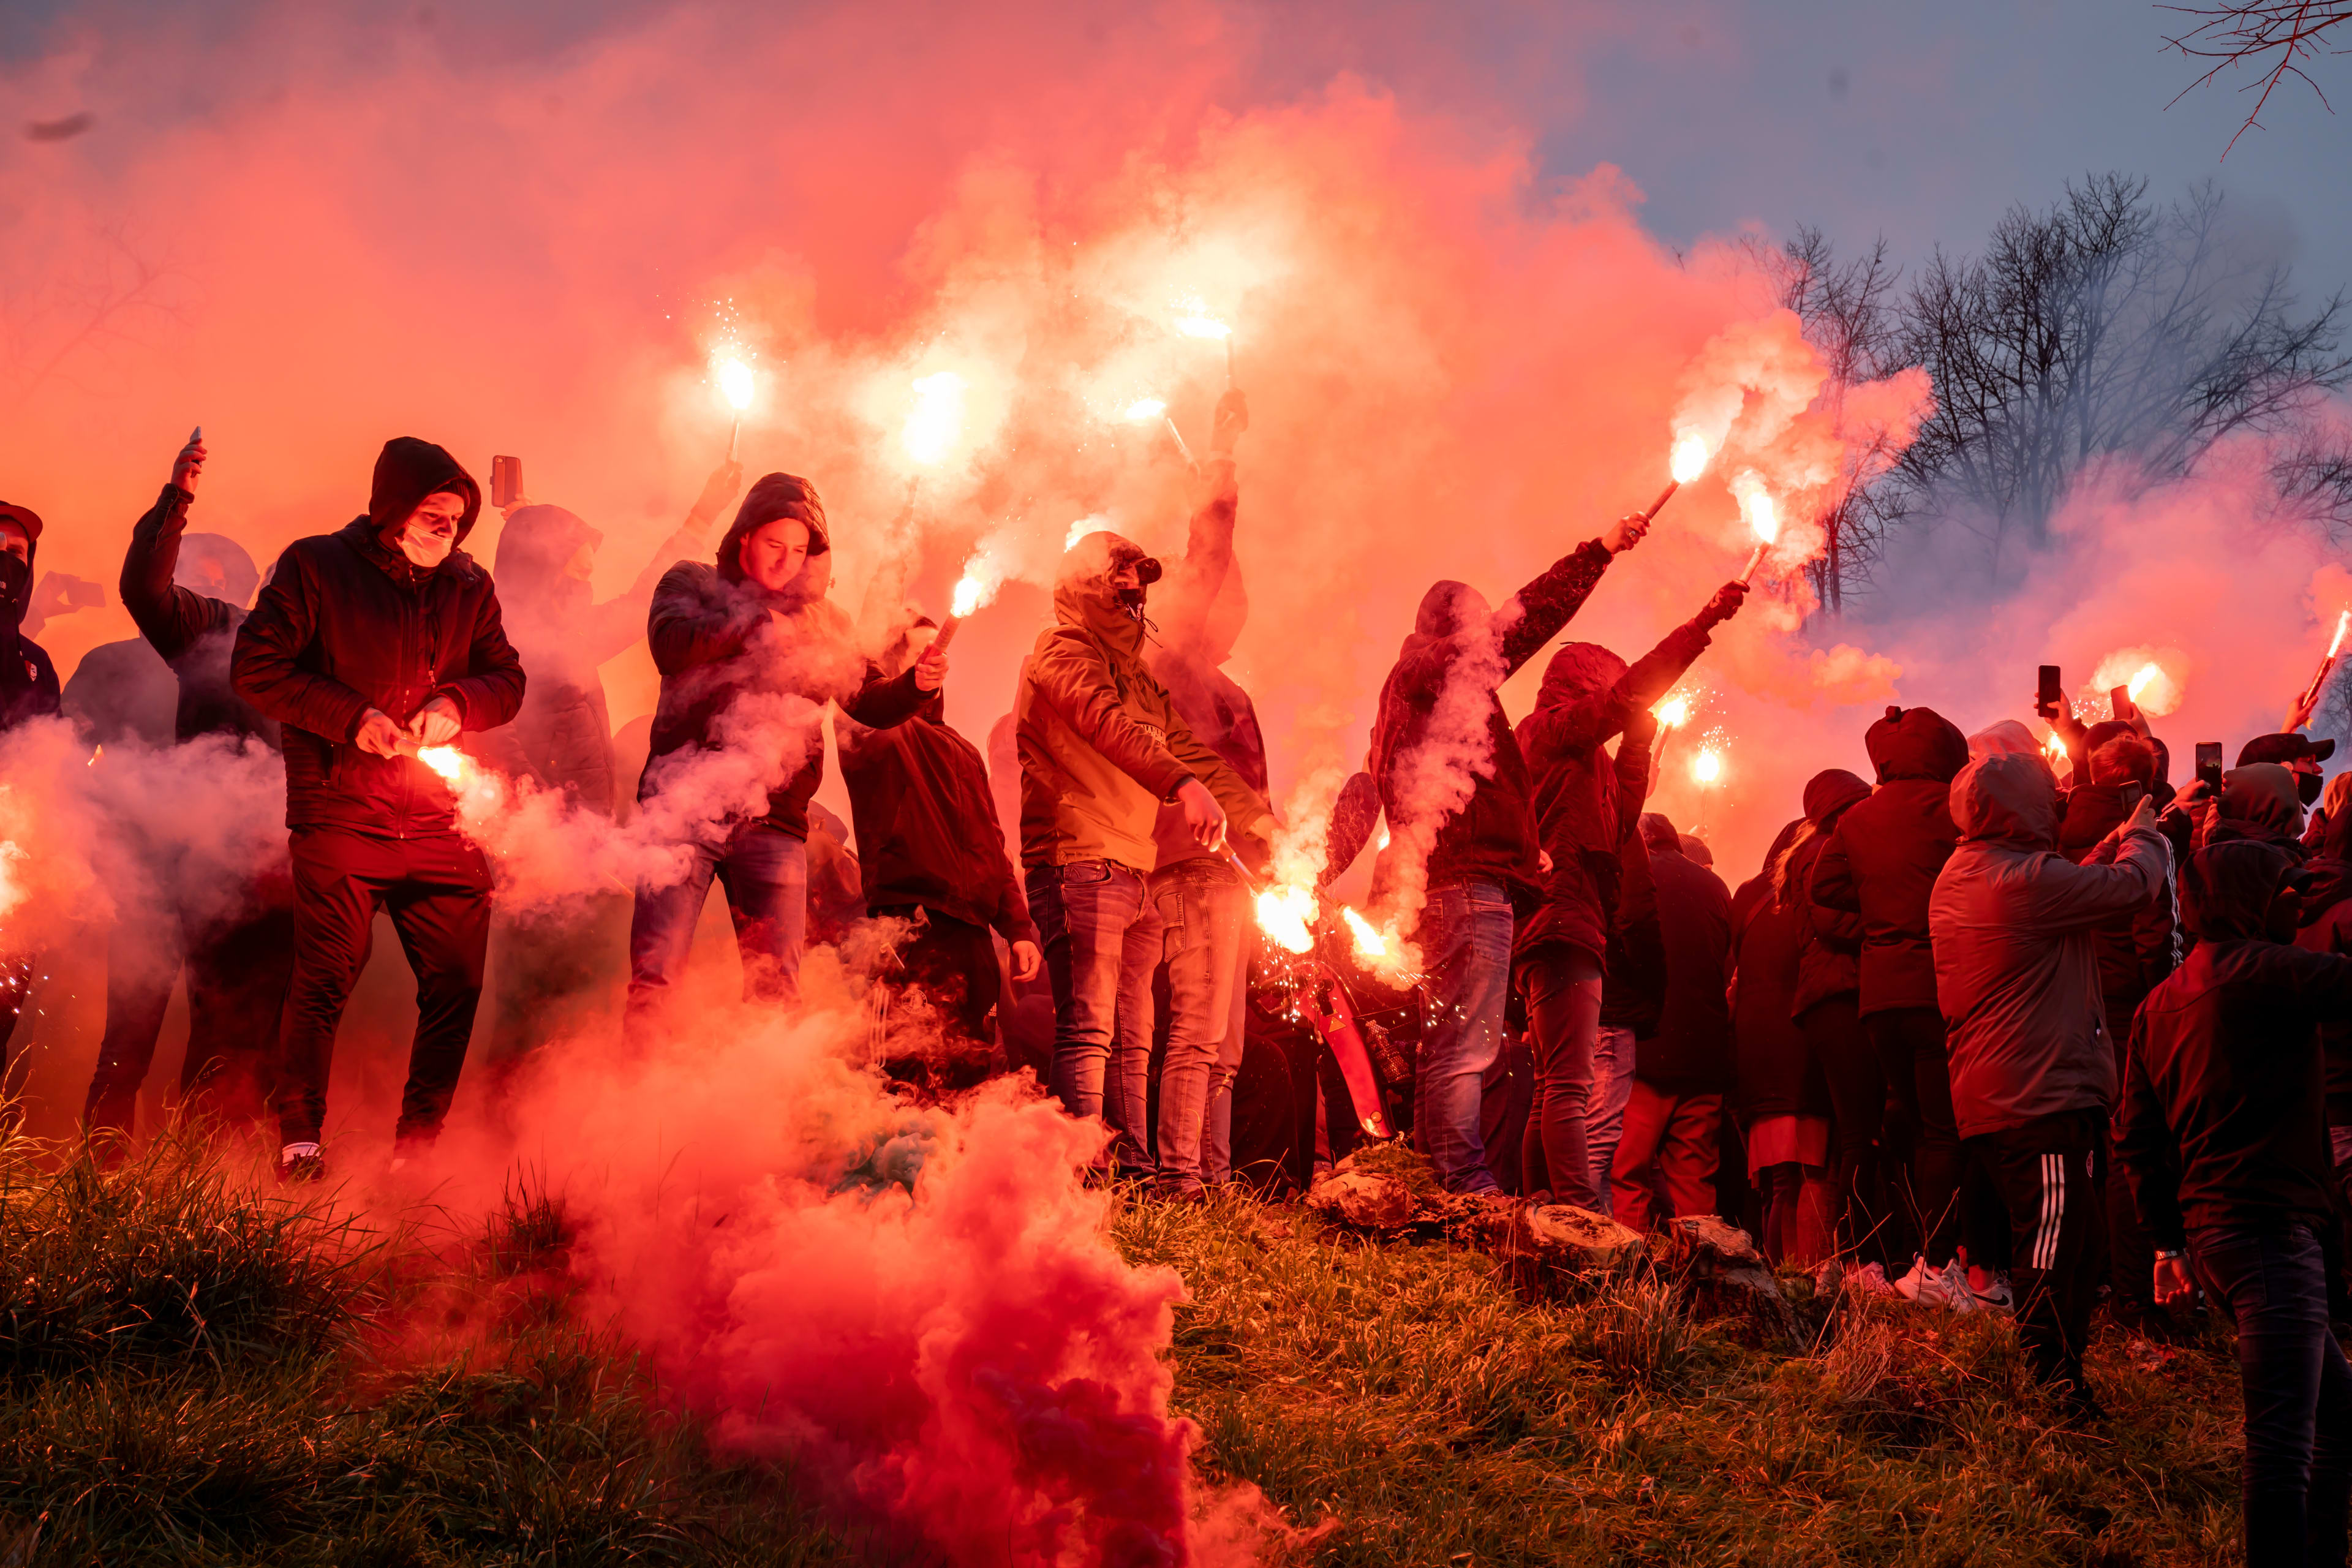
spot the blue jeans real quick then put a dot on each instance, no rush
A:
(1604, 1103)
(1203, 911)
(1465, 939)
(1217, 1141)
(1101, 937)
(2298, 1389)
(765, 872)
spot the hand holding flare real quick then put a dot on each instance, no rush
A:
(2300, 714)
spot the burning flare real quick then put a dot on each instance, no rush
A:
(937, 423)
(1283, 914)
(971, 594)
(1690, 456)
(2335, 644)
(2140, 679)
(1144, 409)
(1197, 325)
(1708, 766)
(734, 382)
(1673, 711)
(446, 761)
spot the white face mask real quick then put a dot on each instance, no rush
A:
(425, 547)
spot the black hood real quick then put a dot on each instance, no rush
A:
(1917, 743)
(15, 576)
(534, 547)
(240, 576)
(2226, 890)
(406, 471)
(775, 496)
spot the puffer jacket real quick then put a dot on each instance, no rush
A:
(29, 681)
(348, 624)
(562, 738)
(1459, 653)
(718, 636)
(1831, 963)
(2017, 975)
(1102, 745)
(1882, 861)
(195, 633)
(1588, 697)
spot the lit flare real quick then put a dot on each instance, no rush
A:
(446, 761)
(1708, 766)
(2140, 679)
(1283, 914)
(735, 383)
(1673, 711)
(936, 423)
(1690, 456)
(1145, 409)
(2335, 645)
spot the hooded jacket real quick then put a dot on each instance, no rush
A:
(1200, 606)
(1102, 745)
(2221, 1120)
(29, 681)
(348, 624)
(1689, 1052)
(1777, 1073)
(1882, 861)
(2136, 949)
(1830, 964)
(718, 636)
(195, 633)
(2261, 804)
(1588, 697)
(2016, 975)
(1459, 653)
(926, 824)
(2326, 927)
(563, 735)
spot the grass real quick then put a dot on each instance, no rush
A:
(191, 1373)
(1435, 1413)
(194, 1376)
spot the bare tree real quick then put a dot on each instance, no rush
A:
(1848, 315)
(2272, 36)
(2101, 327)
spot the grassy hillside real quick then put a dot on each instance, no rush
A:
(191, 1376)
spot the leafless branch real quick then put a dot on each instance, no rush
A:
(2273, 36)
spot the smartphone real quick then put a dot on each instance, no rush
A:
(2208, 763)
(2132, 796)
(80, 592)
(506, 481)
(2119, 703)
(2048, 694)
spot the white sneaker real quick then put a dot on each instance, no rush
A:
(1998, 1296)
(1871, 1280)
(1918, 1285)
(1952, 1280)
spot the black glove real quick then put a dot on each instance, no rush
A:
(1724, 605)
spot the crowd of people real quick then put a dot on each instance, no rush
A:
(1996, 1029)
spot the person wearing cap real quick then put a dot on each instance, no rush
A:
(752, 653)
(367, 644)
(548, 963)
(28, 691)
(188, 594)
(1103, 749)
(2299, 754)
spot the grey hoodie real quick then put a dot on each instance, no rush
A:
(2017, 975)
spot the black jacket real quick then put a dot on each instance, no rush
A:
(1882, 862)
(1777, 1073)
(1472, 784)
(347, 624)
(562, 738)
(2222, 1119)
(29, 681)
(718, 637)
(1690, 1052)
(926, 824)
(195, 632)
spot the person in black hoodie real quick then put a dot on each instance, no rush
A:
(750, 652)
(1880, 865)
(547, 963)
(236, 943)
(28, 691)
(2222, 1142)
(1682, 1068)
(932, 853)
(1459, 803)
(368, 644)
(1588, 696)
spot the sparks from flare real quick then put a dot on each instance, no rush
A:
(936, 423)
(1283, 914)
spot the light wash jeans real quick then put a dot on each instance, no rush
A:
(1604, 1108)
(1101, 937)
(1465, 937)
(764, 870)
(1203, 909)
